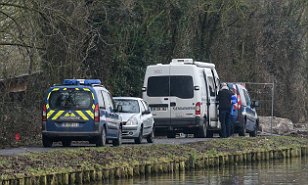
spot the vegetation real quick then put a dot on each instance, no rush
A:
(114, 40)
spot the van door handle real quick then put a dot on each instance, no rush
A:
(165, 98)
(172, 104)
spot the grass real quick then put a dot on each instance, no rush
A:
(66, 160)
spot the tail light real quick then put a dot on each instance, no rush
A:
(239, 102)
(96, 113)
(198, 109)
(44, 113)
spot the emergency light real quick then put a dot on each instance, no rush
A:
(81, 81)
(70, 82)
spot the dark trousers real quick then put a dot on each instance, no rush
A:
(224, 118)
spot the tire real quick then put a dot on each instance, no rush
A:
(242, 131)
(101, 141)
(201, 132)
(118, 141)
(46, 142)
(220, 134)
(171, 134)
(66, 143)
(138, 140)
(150, 137)
(209, 134)
(254, 133)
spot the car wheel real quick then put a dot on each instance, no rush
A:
(46, 142)
(171, 134)
(253, 133)
(118, 141)
(102, 138)
(66, 143)
(150, 137)
(138, 140)
(242, 131)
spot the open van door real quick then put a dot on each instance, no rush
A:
(212, 106)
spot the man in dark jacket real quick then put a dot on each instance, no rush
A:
(224, 101)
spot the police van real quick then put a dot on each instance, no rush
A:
(80, 110)
(182, 97)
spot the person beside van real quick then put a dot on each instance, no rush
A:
(233, 113)
(224, 99)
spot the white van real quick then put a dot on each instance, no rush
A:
(182, 97)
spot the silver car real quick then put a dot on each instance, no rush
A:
(137, 119)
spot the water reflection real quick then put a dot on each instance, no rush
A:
(291, 171)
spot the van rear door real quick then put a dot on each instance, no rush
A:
(70, 109)
(182, 103)
(157, 94)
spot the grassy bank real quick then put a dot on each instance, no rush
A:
(77, 165)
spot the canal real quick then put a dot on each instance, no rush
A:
(289, 171)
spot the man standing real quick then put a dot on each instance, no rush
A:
(224, 102)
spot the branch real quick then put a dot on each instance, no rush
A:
(19, 6)
(20, 45)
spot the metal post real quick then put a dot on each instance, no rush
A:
(273, 96)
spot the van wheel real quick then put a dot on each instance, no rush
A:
(46, 142)
(102, 138)
(209, 134)
(66, 143)
(171, 134)
(150, 137)
(201, 132)
(242, 131)
(118, 141)
(138, 140)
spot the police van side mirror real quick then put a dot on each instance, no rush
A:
(145, 112)
(196, 88)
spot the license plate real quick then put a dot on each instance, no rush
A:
(159, 108)
(70, 125)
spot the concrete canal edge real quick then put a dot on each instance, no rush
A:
(194, 161)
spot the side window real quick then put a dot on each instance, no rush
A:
(101, 100)
(247, 98)
(211, 85)
(108, 100)
(146, 106)
(243, 97)
(203, 90)
(142, 106)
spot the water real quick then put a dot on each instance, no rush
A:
(291, 171)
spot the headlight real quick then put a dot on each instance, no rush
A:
(132, 121)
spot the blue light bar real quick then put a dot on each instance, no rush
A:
(81, 81)
(92, 81)
(71, 82)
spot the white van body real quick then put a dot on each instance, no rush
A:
(182, 97)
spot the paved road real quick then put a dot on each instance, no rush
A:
(126, 142)
(58, 146)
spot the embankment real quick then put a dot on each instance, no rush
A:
(89, 164)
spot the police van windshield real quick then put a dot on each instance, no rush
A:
(179, 86)
(70, 100)
(128, 106)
